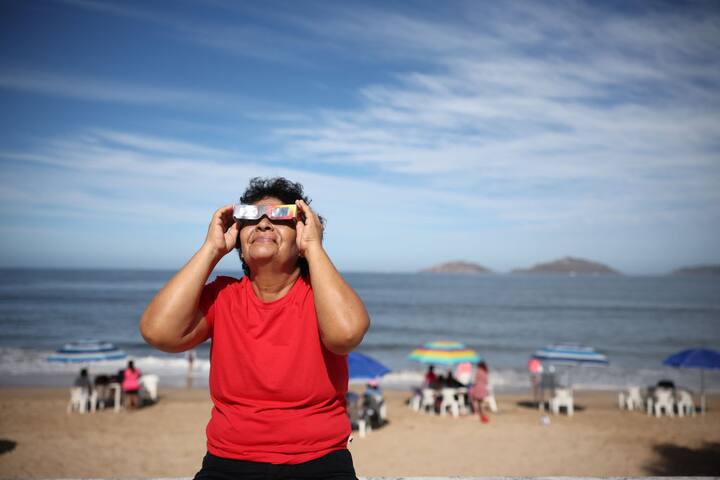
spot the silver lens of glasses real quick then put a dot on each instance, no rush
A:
(280, 212)
(247, 212)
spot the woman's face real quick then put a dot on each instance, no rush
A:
(264, 241)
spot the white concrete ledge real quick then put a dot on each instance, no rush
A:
(431, 478)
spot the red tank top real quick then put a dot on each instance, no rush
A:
(278, 393)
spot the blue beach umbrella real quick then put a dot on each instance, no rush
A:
(364, 367)
(85, 351)
(702, 358)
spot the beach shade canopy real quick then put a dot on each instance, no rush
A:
(701, 358)
(364, 367)
(84, 351)
(569, 354)
(695, 358)
(444, 352)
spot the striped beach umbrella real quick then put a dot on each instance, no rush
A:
(444, 352)
(85, 351)
(569, 354)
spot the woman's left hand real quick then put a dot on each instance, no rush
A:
(310, 232)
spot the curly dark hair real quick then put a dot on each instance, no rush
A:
(285, 191)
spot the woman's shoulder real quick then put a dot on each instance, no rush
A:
(222, 282)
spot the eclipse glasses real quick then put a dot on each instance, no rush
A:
(256, 212)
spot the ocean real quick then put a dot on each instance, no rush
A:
(637, 321)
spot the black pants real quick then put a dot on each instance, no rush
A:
(335, 465)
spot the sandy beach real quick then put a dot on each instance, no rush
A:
(39, 439)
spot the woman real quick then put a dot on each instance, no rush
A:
(280, 336)
(478, 392)
(131, 385)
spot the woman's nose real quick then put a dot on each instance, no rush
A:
(264, 224)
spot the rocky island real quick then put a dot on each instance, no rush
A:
(570, 266)
(457, 267)
(698, 270)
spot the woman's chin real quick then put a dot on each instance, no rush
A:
(264, 251)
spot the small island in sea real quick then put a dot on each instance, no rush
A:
(570, 266)
(698, 270)
(457, 267)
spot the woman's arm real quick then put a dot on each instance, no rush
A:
(342, 317)
(173, 322)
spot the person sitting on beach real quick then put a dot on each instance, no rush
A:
(83, 381)
(375, 402)
(451, 381)
(536, 369)
(479, 390)
(280, 339)
(131, 385)
(430, 377)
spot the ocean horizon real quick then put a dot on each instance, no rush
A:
(637, 320)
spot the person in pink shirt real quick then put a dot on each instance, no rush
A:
(131, 385)
(479, 390)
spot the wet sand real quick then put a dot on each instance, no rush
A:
(38, 439)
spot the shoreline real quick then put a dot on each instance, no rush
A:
(168, 439)
(24, 368)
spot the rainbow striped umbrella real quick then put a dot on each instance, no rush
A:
(444, 352)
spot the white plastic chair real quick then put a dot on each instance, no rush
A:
(663, 402)
(415, 400)
(463, 397)
(563, 398)
(358, 415)
(79, 400)
(630, 399)
(149, 387)
(490, 401)
(427, 400)
(383, 412)
(685, 404)
(449, 401)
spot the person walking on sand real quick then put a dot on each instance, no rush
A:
(479, 390)
(190, 357)
(280, 338)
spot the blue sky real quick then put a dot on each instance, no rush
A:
(504, 133)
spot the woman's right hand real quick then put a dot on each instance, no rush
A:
(222, 232)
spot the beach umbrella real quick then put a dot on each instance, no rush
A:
(444, 352)
(701, 358)
(570, 355)
(364, 367)
(85, 351)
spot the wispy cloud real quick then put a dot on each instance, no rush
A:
(84, 87)
(536, 121)
(595, 106)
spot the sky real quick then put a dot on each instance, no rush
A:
(501, 133)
